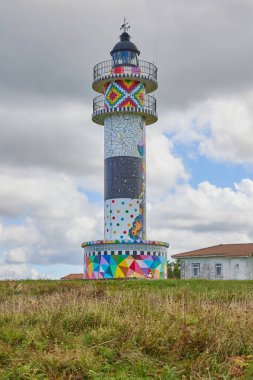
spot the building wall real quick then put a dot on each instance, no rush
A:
(250, 268)
(236, 268)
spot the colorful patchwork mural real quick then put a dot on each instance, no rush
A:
(125, 266)
(124, 93)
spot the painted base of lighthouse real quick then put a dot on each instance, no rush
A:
(125, 260)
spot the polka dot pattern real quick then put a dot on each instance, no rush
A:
(120, 215)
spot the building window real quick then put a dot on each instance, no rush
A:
(218, 270)
(195, 269)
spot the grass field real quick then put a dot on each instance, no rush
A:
(171, 329)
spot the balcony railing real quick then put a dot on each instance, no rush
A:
(107, 68)
(146, 71)
(101, 109)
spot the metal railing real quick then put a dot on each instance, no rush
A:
(99, 103)
(107, 68)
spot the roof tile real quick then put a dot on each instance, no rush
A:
(73, 276)
(222, 250)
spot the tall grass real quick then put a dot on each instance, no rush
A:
(169, 329)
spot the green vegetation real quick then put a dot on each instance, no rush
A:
(168, 330)
(174, 269)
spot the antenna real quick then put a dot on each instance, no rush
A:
(156, 43)
(125, 26)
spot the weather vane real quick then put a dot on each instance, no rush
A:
(125, 26)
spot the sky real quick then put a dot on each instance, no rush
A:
(199, 153)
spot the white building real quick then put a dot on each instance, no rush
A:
(224, 262)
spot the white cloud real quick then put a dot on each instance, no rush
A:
(59, 136)
(57, 218)
(192, 218)
(17, 271)
(219, 128)
(49, 47)
(164, 170)
(25, 233)
(231, 125)
(16, 256)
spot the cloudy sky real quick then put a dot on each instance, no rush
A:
(199, 153)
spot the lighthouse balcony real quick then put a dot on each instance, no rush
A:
(146, 108)
(106, 71)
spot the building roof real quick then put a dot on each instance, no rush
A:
(222, 250)
(73, 276)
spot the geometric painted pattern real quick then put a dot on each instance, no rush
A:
(124, 93)
(125, 266)
(138, 95)
(114, 95)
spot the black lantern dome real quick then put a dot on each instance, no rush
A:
(125, 52)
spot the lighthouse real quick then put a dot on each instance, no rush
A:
(124, 108)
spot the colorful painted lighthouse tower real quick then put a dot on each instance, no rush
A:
(124, 109)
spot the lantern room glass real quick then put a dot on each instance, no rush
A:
(125, 57)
